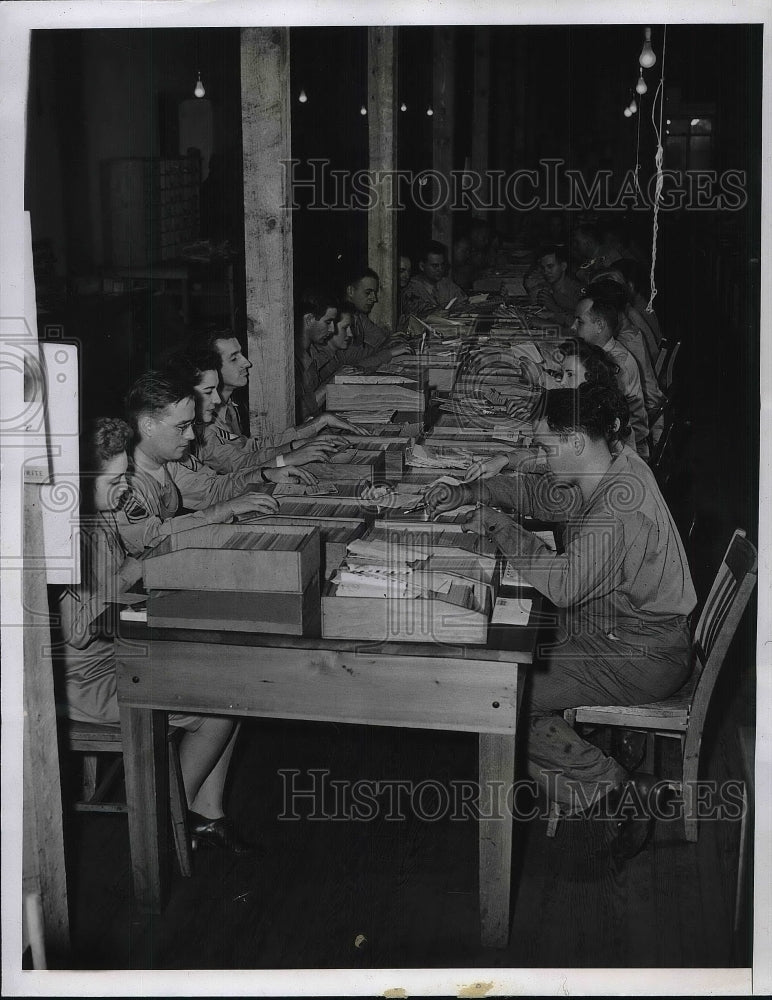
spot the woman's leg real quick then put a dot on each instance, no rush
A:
(205, 754)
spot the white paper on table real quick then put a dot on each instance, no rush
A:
(511, 611)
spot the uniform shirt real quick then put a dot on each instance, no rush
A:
(150, 511)
(565, 295)
(629, 383)
(630, 337)
(623, 571)
(307, 381)
(420, 297)
(601, 261)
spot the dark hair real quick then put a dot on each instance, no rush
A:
(315, 301)
(189, 365)
(633, 272)
(432, 246)
(600, 369)
(102, 439)
(152, 393)
(205, 342)
(611, 290)
(588, 229)
(346, 307)
(604, 312)
(359, 274)
(558, 249)
(592, 409)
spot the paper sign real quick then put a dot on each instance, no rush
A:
(511, 611)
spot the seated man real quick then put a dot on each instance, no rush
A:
(430, 289)
(463, 271)
(622, 586)
(405, 270)
(610, 287)
(596, 322)
(225, 429)
(164, 477)
(596, 256)
(371, 345)
(200, 369)
(637, 278)
(87, 654)
(562, 293)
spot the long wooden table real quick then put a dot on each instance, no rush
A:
(427, 686)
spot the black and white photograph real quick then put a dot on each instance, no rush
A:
(382, 437)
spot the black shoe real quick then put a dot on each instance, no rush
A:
(636, 826)
(217, 833)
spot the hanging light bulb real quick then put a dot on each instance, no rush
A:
(199, 88)
(640, 87)
(429, 112)
(303, 97)
(363, 110)
(403, 106)
(628, 113)
(633, 107)
(647, 57)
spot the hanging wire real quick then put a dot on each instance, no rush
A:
(660, 94)
(638, 150)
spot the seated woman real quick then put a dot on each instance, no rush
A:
(581, 362)
(622, 587)
(86, 653)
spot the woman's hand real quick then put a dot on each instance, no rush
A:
(130, 572)
(486, 469)
(333, 420)
(317, 450)
(249, 503)
(442, 497)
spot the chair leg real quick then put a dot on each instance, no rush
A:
(88, 776)
(690, 775)
(179, 810)
(554, 819)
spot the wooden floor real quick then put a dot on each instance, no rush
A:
(409, 887)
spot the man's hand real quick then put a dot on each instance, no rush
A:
(318, 450)
(442, 497)
(397, 350)
(485, 470)
(289, 474)
(485, 519)
(333, 420)
(249, 503)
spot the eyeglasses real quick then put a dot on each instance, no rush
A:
(181, 429)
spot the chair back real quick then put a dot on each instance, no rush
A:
(667, 379)
(722, 612)
(659, 364)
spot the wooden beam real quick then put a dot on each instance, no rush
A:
(265, 124)
(481, 112)
(382, 118)
(443, 104)
(43, 862)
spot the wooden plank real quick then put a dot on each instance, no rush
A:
(496, 776)
(266, 143)
(425, 692)
(443, 105)
(481, 112)
(382, 121)
(43, 838)
(147, 794)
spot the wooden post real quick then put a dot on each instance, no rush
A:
(382, 118)
(265, 124)
(442, 135)
(481, 113)
(43, 863)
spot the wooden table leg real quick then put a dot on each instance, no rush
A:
(147, 794)
(496, 776)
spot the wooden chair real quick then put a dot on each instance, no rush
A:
(659, 364)
(682, 715)
(668, 373)
(91, 739)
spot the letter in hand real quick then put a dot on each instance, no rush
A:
(252, 503)
(333, 420)
(442, 497)
(289, 474)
